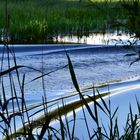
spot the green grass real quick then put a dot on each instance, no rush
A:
(37, 20)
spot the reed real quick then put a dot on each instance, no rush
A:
(35, 21)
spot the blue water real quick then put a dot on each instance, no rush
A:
(93, 64)
(56, 48)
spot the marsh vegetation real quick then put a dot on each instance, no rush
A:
(27, 21)
(38, 21)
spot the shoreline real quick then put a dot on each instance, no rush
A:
(53, 114)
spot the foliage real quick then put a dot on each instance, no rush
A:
(58, 17)
(133, 14)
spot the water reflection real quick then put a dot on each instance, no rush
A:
(117, 38)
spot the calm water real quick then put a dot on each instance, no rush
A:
(92, 64)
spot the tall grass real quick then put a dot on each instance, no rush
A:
(38, 20)
(133, 13)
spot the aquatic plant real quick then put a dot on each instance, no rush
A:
(133, 13)
(38, 20)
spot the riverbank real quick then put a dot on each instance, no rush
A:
(113, 92)
(118, 103)
(40, 21)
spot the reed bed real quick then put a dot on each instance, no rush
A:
(41, 20)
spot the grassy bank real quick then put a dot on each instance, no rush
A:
(33, 20)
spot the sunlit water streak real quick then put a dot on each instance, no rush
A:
(116, 38)
(122, 96)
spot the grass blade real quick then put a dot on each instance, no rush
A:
(114, 112)
(104, 103)
(44, 129)
(75, 83)
(97, 104)
(10, 70)
(73, 129)
(46, 74)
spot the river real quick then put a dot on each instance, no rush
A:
(92, 64)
